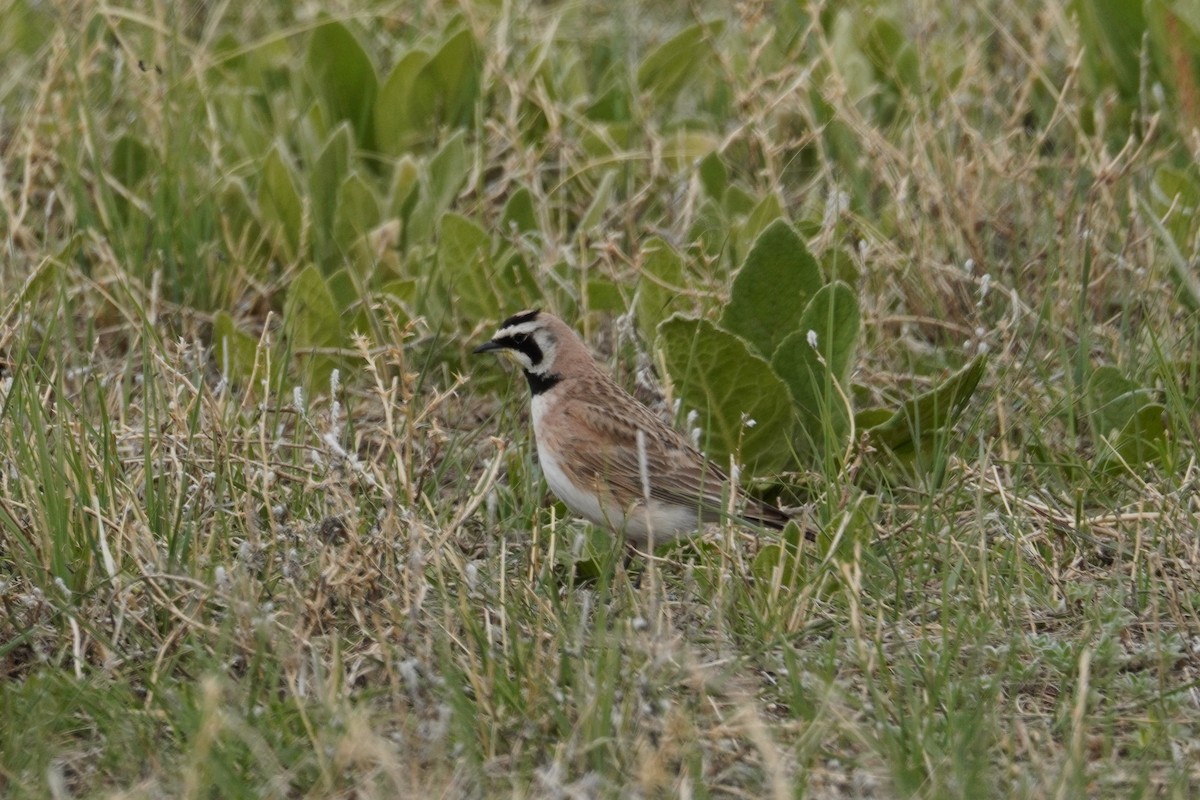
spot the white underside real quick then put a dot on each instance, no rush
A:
(637, 522)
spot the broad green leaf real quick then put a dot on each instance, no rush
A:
(1139, 441)
(838, 265)
(25, 27)
(709, 230)
(891, 54)
(1114, 400)
(603, 142)
(833, 315)
(872, 417)
(1129, 425)
(714, 176)
(405, 181)
(313, 320)
(772, 289)
(326, 175)
(397, 128)
(233, 350)
(315, 126)
(601, 199)
(357, 211)
(246, 124)
(343, 290)
(764, 212)
(852, 65)
(815, 375)
(849, 526)
(447, 171)
(668, 68)
(662, 286)
(737, 201)
(604, 295)
(344, 77)
(687, 147)
(312, 315)
(347, 291)
(611, 106)
(521, 288)
(932, 411)
(519, 213)
(452, 75)
(279, 203)
(1111, 32)
(239, 215)
(465, 270)
(442, 181)
(399, 296)
(745, 411)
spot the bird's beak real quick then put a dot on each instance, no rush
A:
(488, 347)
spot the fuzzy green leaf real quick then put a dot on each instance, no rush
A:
(313, 320)
(1111, 32)
(442, 181)
(447, 87)
(465, 271)
(714, 176)
(1126, 419)
(891, 54)
(279, 203)
(327, 173)
(762, 214)
(405, 181)
(932, 411)
(397, 127)
(1137, 442)
(814, 375)
(662, 287)
(745, 410)
(519, 212)
(347, 290)
(772, 289)
(669, 67)
(344, 77)
(601, 200)
(311, 314)
(357, 211)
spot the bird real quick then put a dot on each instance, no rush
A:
(607, 456)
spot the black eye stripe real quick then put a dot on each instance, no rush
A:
(524, 344)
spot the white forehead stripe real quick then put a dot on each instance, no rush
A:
(513, 330)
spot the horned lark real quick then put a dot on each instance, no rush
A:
(599, 447)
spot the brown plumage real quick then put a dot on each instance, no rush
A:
(587, 430)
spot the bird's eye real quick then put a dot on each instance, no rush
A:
(520, 338)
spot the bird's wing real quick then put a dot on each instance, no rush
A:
(604, 448)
